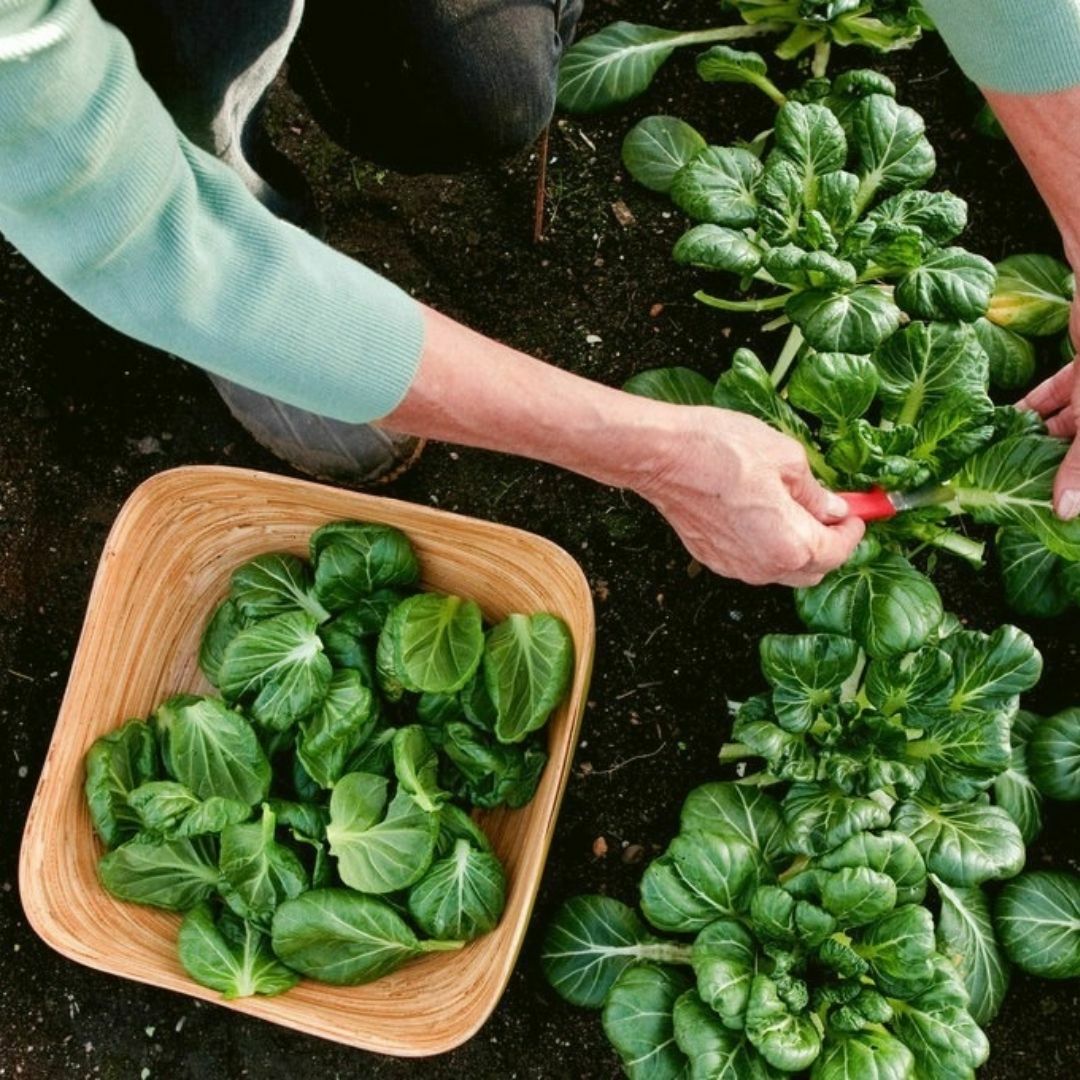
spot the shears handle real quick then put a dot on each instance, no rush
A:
(872, 505)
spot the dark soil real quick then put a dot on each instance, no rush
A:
(86, 414)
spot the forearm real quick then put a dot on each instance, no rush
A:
(473, 391)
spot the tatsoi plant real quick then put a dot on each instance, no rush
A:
(619, 62)
(785, 963)
(306, 822)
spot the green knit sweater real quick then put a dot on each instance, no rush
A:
(101, 192)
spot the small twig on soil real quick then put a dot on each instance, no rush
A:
(640, 686)
(541, 176)
(20, 675)
(629, 761)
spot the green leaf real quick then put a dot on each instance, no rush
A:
(353, 560)
(701, 877)
(656, 148)
(811, 138)
(461, 896)
(835, 387)
(638, 1022)
(712, 247)
(965, 935)
(612, 66)
(1033, 576)
(881, 601)
(714, 1051)
(746, 387)
(913, 685)
(455, 824)
(171, 874)
(341, 725)
(718, 186)
(1034, 295)
(807, 673)
(889, 141)
(722, 63)
(345, 939)
(951, 283)
(212, 815)
(940, 215)
(1053, 756)
(899, 948)
(224, 625)
(258, 873)
(991, 668)
(273, 585)
(727, 808)
(307, 819)
(787, 1041)
(231, 956)
(937, 1028)
(416, 766)
(863, 1055)
(848, 322)
(1038, 919)
(964, 845)
(1011, 357)
(116, 764)
(277, 668)
(925, 363)
(1014, 790)
(376, 856)
(439, 642)
(725, 962)
(889, 853)
(819, 818)
(1011, 482)
(527, 666)
(677, 385)
(791, 265)
(591, 941)
(161, 805)
(494, 774)
(211, 749)
(857, 895)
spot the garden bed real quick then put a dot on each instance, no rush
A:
(87, 415)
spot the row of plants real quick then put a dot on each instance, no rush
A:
(853, 904)
(314, 820)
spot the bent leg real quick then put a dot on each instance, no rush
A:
(431, 84)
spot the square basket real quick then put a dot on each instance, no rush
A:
(166, 564)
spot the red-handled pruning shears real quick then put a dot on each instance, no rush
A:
(879, 505)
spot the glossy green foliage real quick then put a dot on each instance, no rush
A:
(1053, 755)
(277, 669)
(1037, 917)
(172, 874)
(527, 666)
(381, 845)
(344, 938)
(354, 560)
(211, 749)
(416, 766)
(637, 1018)
(1033, 296)
(274, 585)
(1014, 790)
(230, 955)
(747, 813)
(965, 935)
(117, 764)
(461, 896)
(714, 1051)
(338, 729)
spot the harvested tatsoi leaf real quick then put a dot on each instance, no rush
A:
(173, 874)
(338, 729)
(354, 560)
(116, 765)
(230, 955)
(345, 938)
(461, 896)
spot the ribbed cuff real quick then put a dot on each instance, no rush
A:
(1013, 46)
(16, 18)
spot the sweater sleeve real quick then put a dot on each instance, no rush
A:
(102, 193)
(1013, 46)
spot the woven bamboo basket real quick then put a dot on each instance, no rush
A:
(166, 564)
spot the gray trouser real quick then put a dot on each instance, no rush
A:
(422, 85)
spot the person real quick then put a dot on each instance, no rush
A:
(182, 239)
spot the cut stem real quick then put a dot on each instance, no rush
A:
(787, 356)
(770, 303)
(734, 751)
(726, 33)
(820, 64)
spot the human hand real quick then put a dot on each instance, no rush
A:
(743, 500)
(1057, 401)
